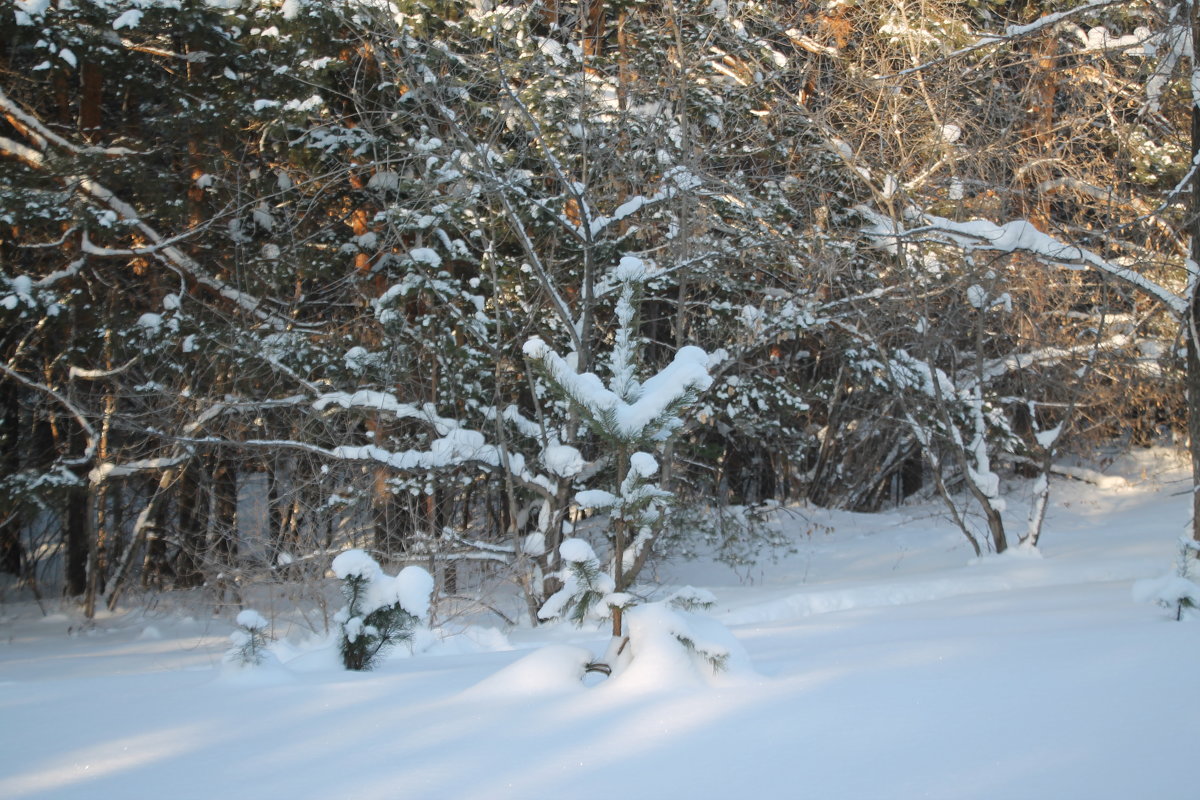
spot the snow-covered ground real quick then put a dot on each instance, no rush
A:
(885, 665)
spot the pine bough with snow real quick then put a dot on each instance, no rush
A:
(381, 610)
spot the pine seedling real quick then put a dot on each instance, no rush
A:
(250, 640)
(1186, 594)
(381, 611)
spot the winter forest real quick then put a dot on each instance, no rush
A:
(521, 303)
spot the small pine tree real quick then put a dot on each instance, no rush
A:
(250, 640)
(1179, 590)
(381, 611)
(1185, 591)
(629, 417)
(586, 589)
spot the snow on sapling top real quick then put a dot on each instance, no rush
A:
(643, 465)
(252, 620)
(585, 585)
(356, 563)
(412, 588)
(563, 460)
(535, 348)
(687, 372)
(630, 269)
(576, 551)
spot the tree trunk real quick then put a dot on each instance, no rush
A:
(193, 524)
(1193, 315)
(225, 522)
(75, 569)
(12, 551)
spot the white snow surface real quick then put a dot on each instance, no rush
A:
(878, 660)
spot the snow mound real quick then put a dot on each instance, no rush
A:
(673, 649)
(553, 669)
(271, 672)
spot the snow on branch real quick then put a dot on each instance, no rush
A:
(1010, 33)
(674, 182)
(459, 447)
(1022, 236)
(106, 470)
(643, 415)
(42, 137)
(372, 400)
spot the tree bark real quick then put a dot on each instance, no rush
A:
(12, 551)
(1193, 314)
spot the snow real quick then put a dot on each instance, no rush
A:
(643, 465)
(150, 322)
(576, 551)
(658, 661)
(384, 181)
(356, 563)
(424, 255)
(252, 620)
(414, 588)
(130, 19)
(411, 588)
(563, 460)
(877, 660)
(596, 498)
(687, 372)
(977, 296)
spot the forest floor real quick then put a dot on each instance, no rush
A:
(887, 662)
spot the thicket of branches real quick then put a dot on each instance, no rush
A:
(269, 269)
